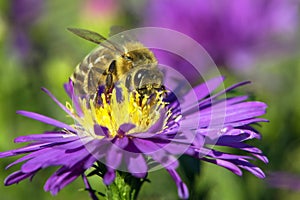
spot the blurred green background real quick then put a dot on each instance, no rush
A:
(36, 51)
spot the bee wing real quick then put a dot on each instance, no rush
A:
(88, 35)
(115, 30)
(94, 37)
(123, 36)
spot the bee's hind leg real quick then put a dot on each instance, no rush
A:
(109, 82)
(109, 77)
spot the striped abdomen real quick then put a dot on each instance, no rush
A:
(89, 73)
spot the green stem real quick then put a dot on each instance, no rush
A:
(124, 187)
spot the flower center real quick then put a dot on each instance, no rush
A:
(124, 107)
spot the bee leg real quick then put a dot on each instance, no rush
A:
(112, 67)
(109, 82)
(97, 99)
(109, 78)
(141, 92)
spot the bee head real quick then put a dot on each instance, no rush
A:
(144, 80)
(137, 69)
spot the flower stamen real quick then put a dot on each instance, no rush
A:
(133, 108)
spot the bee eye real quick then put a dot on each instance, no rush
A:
(128, 81)
(139, 76)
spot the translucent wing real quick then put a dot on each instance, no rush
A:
(123, 36)
(115, 30)
(93, 37)
(88, 35)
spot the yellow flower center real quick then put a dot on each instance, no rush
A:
(141, 111)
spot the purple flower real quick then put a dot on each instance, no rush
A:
(235, 33)
(137, 134)
(23, 16)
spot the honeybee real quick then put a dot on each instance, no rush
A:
(129, 63)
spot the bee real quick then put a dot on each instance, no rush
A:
(129, 63)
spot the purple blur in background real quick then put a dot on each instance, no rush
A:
(23, 15)
(236, 33)
(284, 180)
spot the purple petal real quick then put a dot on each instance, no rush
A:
(183, 192)
(250, 167)
(109, 177)
(63, 137)
(175, 148)
(90, 160)
(235, 115)
(208, 100)
(158, 124)
(204, 89)
(57, 102)
(59, 180)
(69, 88)
(247, 122)
(146, 146)
(221, 155)
(245, 110)
(192, 107)
(101, 130)
(234, 100)
(77, 144)
(243, 130)
(227, 139)
(22, 150)
(54, 157)
(70, 91)
(238, 145)
(16, 177)
(136, 165)
(122, 143)
(113, 157)
(156, 152)
(46, 120)
(40, 160)
(228, 165)
(26, 157)
(124, 128)
(261, 157)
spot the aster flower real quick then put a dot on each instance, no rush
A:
(235, 33)
(137, 134)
